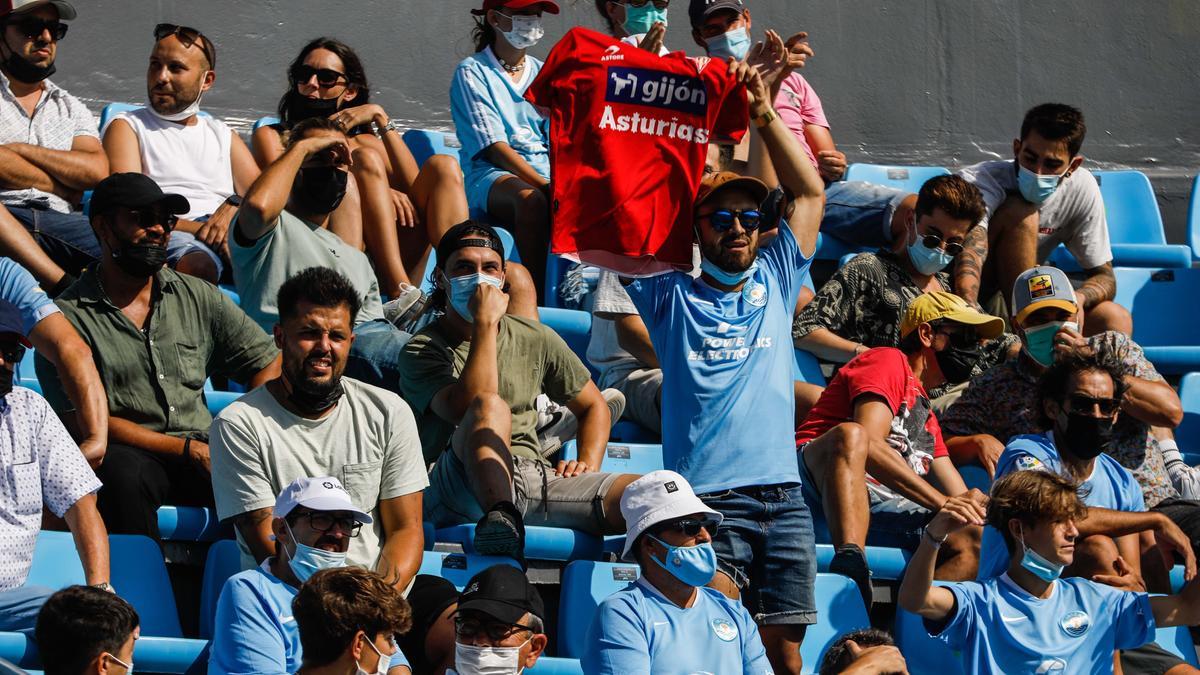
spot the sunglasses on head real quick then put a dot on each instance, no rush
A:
(935, 241)
(722, 219)
(33, 28)
(187, 37)
(326, 77)
(1086, 404)
(12, 352)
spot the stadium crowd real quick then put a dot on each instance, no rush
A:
(397, 372)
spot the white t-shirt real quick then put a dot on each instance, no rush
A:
(189, 160)
(604, 350)
(369, 441)
(1073, 215)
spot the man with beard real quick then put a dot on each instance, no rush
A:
(156, 336)
(728, 407)
(182, 150)
(312, 421)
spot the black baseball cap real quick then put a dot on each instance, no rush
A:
(465, 234)
(11, 322)
(502, 592)
(134, 191)
(429, 596)
(699, 10)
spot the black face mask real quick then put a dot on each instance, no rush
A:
(6, 381)
(300, 108)
(23, 71)
(314, 400)
(1085, 436)
(140, 260)
(320, 189)
(956, 363)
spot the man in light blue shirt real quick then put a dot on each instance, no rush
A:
(1028, 619)
(728, 409)
(668, 620)
(255, 632)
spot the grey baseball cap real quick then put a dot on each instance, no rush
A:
(1040, 287)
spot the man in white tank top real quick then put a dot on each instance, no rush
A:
(183, 150)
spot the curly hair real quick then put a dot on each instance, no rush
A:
(1033, 497)
(334, 604)
(1055, 381)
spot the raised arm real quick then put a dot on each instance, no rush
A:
(968, 269)
(56, 339)
(1101, 285)
(402, 166)
(255, 528)
(917, 593)
(1167, 535)
(480, 374)
(268, 196)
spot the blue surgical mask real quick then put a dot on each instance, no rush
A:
(1038, 566)
(693, 565)
(306, 561)
(724, 277)
(463, 288)
(1035, 187)
(735, 43)
(928, 260)
(638, 20)
(1039, 341)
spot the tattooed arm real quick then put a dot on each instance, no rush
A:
(969, 269)
(1101, 285)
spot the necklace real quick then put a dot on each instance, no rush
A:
(516, 68)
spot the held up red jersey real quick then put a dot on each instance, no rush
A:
(629, 131)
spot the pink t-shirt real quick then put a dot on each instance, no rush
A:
(798, 105)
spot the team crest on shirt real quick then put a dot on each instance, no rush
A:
(724, 630)
(755, 293)
(1076, 624)
(1027, 463)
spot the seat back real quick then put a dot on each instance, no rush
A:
(55, 561)
(140, 576)
(624, 457)
(572, 325)
(1178, 641)
(458, 568)
(26, 375)
(924, 654)
(807, 369)
(550, 665)
(909, 178)
(263, 122)
(217, 400)
(424, 144)
(1130, 207)
(1193, 219)
(1187, 435)
(584, 585)
(1155, 298)
(223, 561)
(840, 606)
(191, 523)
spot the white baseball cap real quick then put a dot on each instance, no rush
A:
(65, 11)
(322, 493)
(654, 498)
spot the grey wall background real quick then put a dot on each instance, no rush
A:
(935, 81)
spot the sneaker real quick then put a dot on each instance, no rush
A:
(501, 531)
(406, 311)
(557, 424)
(849, 561)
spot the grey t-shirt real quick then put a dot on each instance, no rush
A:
(604, 351)
(1073, 215)
(369, 442)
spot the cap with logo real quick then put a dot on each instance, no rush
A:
(699, 10)
(65, 11)
(948, 306)
(719, 181)
(322, 493)
(657, 497)
(548, 6)
(134, 191)
(1041, 287)
(11, 322)
(502, 592)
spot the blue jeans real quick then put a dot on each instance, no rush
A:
(860, 213)
(19, 607)
(766, 546)
(375, 354)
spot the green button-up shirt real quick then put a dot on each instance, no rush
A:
(155, 376)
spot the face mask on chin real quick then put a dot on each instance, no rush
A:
(300, 108)
(314, 400)
(187, 112)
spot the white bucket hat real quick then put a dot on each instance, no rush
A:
(654, 498)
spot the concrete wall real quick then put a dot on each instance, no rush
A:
(937, 81)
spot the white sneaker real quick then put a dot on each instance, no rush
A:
(557, 424)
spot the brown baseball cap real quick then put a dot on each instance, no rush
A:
(718, 181)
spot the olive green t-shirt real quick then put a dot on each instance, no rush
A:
(533, 360)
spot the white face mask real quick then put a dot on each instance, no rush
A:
(472, 660)
(182, 115)
(525, 33)
(381, 668)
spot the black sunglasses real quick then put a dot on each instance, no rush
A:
(1086, 404)
(690, 527)
(326, 77)
(12, 352)
(935, 241)
(151, 217)
(188, 37)
(962, 338)
(324, 522)
(469, 627)
(722, 219)
(33, 28)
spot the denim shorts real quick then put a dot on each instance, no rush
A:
(860, 213)
(766, 546)
(375, 355)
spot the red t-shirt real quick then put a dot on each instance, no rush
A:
(884, 372)
(629, 131)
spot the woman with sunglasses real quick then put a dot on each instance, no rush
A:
(505, 140)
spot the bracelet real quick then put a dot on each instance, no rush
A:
(765, 119)
(936, 543)
(390, 126)
(187, 450)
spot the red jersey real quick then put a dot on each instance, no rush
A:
(629, 131)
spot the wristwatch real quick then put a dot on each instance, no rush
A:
(234, 200)
(105, 586)
(392, 125)
(936, 543)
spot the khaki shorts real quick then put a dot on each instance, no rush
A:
(542, 497)
(643, 390)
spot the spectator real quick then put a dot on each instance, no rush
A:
(184, 150)
(500, 624)
(662, 621)
(620, 348)
(869, 651)
(863, 304)
(156, 336)
(1016, 623)
(505, 140)
(404, 207)
(478, 420)
(1003, 402)
(722, 29)
(429, 644)
(876, 413)
(349, 619)
(297, 425)
(43, 468)
(56, 340)
(86, 631)
(722, 342)
(637, 22)
(315, 520)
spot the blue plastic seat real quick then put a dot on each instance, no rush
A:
(217, 400)
(885, 563)
(1187, 435)
(424, 144)
(26, 375)
(572, 325)
(909, 178)
(624, 457)
(830, 247)
(628, 431)
(456, 567)
(584, 585)
(224, 560)
(171, 656)
(1193, 219)
(191, 523)
(550, 665)
(541, 543)
(1178, 641)
(112, 109)
(1162, 326)
(264, 121)
(840, 607)
(556, 270)
(924, 654)
(807, 369)
(975, 476)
